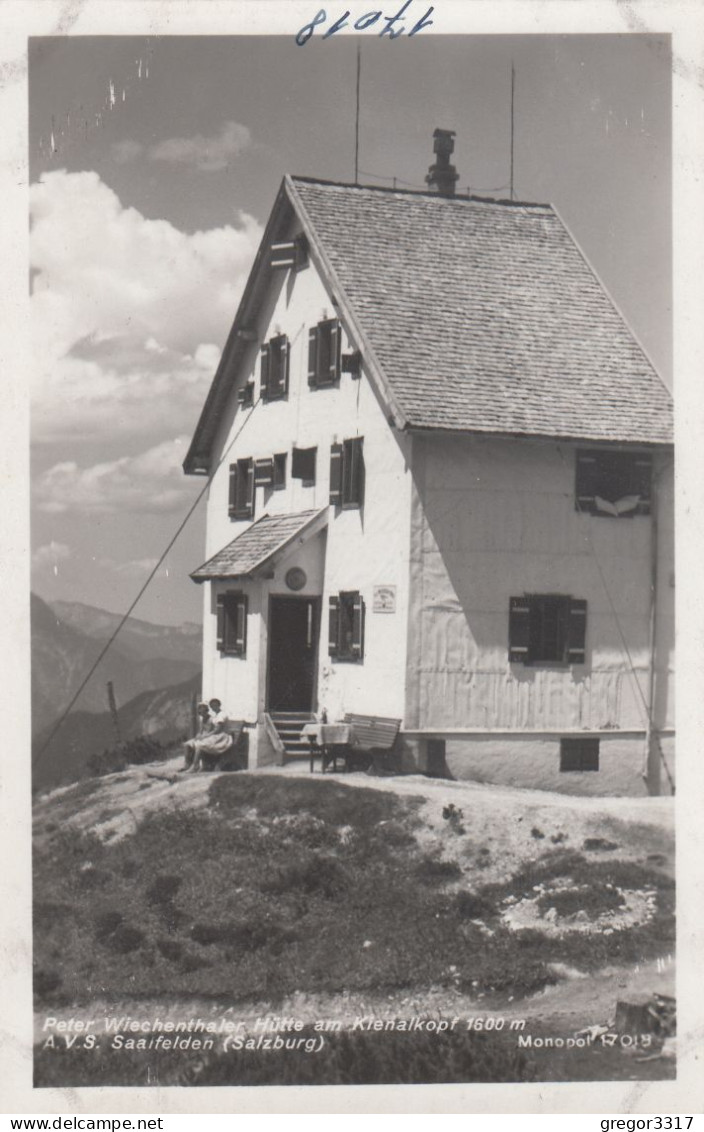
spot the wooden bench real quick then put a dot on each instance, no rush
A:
(371, 742)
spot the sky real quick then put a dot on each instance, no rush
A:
(154, 164)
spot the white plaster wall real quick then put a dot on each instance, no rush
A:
(534, 762)
(496, 518)
(364, 548)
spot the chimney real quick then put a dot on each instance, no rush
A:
(442, 176)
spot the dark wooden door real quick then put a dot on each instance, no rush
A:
(293, 652)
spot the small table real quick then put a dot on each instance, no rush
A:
(331, 739)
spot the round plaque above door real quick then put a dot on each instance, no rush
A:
(296, 578)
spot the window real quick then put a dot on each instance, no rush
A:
(241, 502)
(346, 626)
(232, 624)
(613, 483)
(280, 471)
(579, 754)
(324, 345)
(347, 473)
(290, 253)
(245, 396)
(547, 629)
(303, 465)
(274, 368)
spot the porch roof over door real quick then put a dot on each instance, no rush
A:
(257, 549)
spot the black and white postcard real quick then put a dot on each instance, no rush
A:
(343, 353)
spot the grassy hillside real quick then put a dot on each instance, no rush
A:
(281, 887)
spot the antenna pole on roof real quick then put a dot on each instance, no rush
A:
(513, 86)
(356, 120)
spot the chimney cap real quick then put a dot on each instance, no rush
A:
(442, 175)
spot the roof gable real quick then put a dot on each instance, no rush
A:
(471, 316)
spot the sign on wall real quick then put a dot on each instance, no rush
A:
(384, 599)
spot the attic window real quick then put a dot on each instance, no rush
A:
(324, 358)
(613, 483)
(347, 473)
(303, 465)
(274, 368)
(290, 253)
(547, 629)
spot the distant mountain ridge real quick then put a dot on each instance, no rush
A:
(67, 638)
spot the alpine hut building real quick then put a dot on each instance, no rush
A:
(441, 489)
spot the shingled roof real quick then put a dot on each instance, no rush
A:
(256, 548)
(485, 316)
(471, 316)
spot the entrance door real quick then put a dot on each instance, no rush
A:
(293, 652)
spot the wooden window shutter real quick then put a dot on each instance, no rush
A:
(335, 348)
(313, 357)
(250, 489)
(336, 463)
(264, 471)
(519, 630)
(264, 371)
(334, 625)
(221, 621)
(585, 487)
(576, 631)
(232, 499)
(286, 360)
(355, 493)
(240, 626)
(358, 627)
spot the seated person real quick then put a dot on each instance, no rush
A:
(205, 726)
(216, 742)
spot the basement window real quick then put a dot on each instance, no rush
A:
(346, 626)
(324, 359)
(303, 465)
(232, 624)
(614, 483)
(547, 629)
(241, 491)
(347, 473)
(274, 366)
(579, 754)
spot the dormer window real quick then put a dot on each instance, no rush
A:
(324, 347)
(274, 360)
(613, 483)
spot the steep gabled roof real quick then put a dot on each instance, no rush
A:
(257, 548)
(478, 316)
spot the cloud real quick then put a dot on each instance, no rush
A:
(126, 312)
(49, 556)
(208, 154)
(151, 482)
